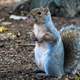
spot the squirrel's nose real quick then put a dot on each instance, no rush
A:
(30, 20)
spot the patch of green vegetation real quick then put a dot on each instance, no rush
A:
(77, 77)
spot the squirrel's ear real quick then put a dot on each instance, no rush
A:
(46, 9)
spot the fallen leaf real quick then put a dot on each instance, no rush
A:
(3, 29)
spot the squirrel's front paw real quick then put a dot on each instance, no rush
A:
(49, 37)
(33, 37)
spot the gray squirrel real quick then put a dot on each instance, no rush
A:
(49, 49)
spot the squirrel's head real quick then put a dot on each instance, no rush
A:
(39, 14)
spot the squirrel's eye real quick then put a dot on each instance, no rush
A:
(39, 13)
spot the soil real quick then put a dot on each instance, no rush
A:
(16, 54)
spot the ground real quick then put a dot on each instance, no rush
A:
(16, 53)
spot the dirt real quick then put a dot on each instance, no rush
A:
(17, 55)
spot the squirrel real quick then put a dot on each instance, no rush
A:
(70, 35)
(56, 52)
(49, 50)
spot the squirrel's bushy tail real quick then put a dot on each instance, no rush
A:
(70, 35)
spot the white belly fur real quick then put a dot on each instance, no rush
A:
(41, 48)
(40, 54)
(39, 30)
